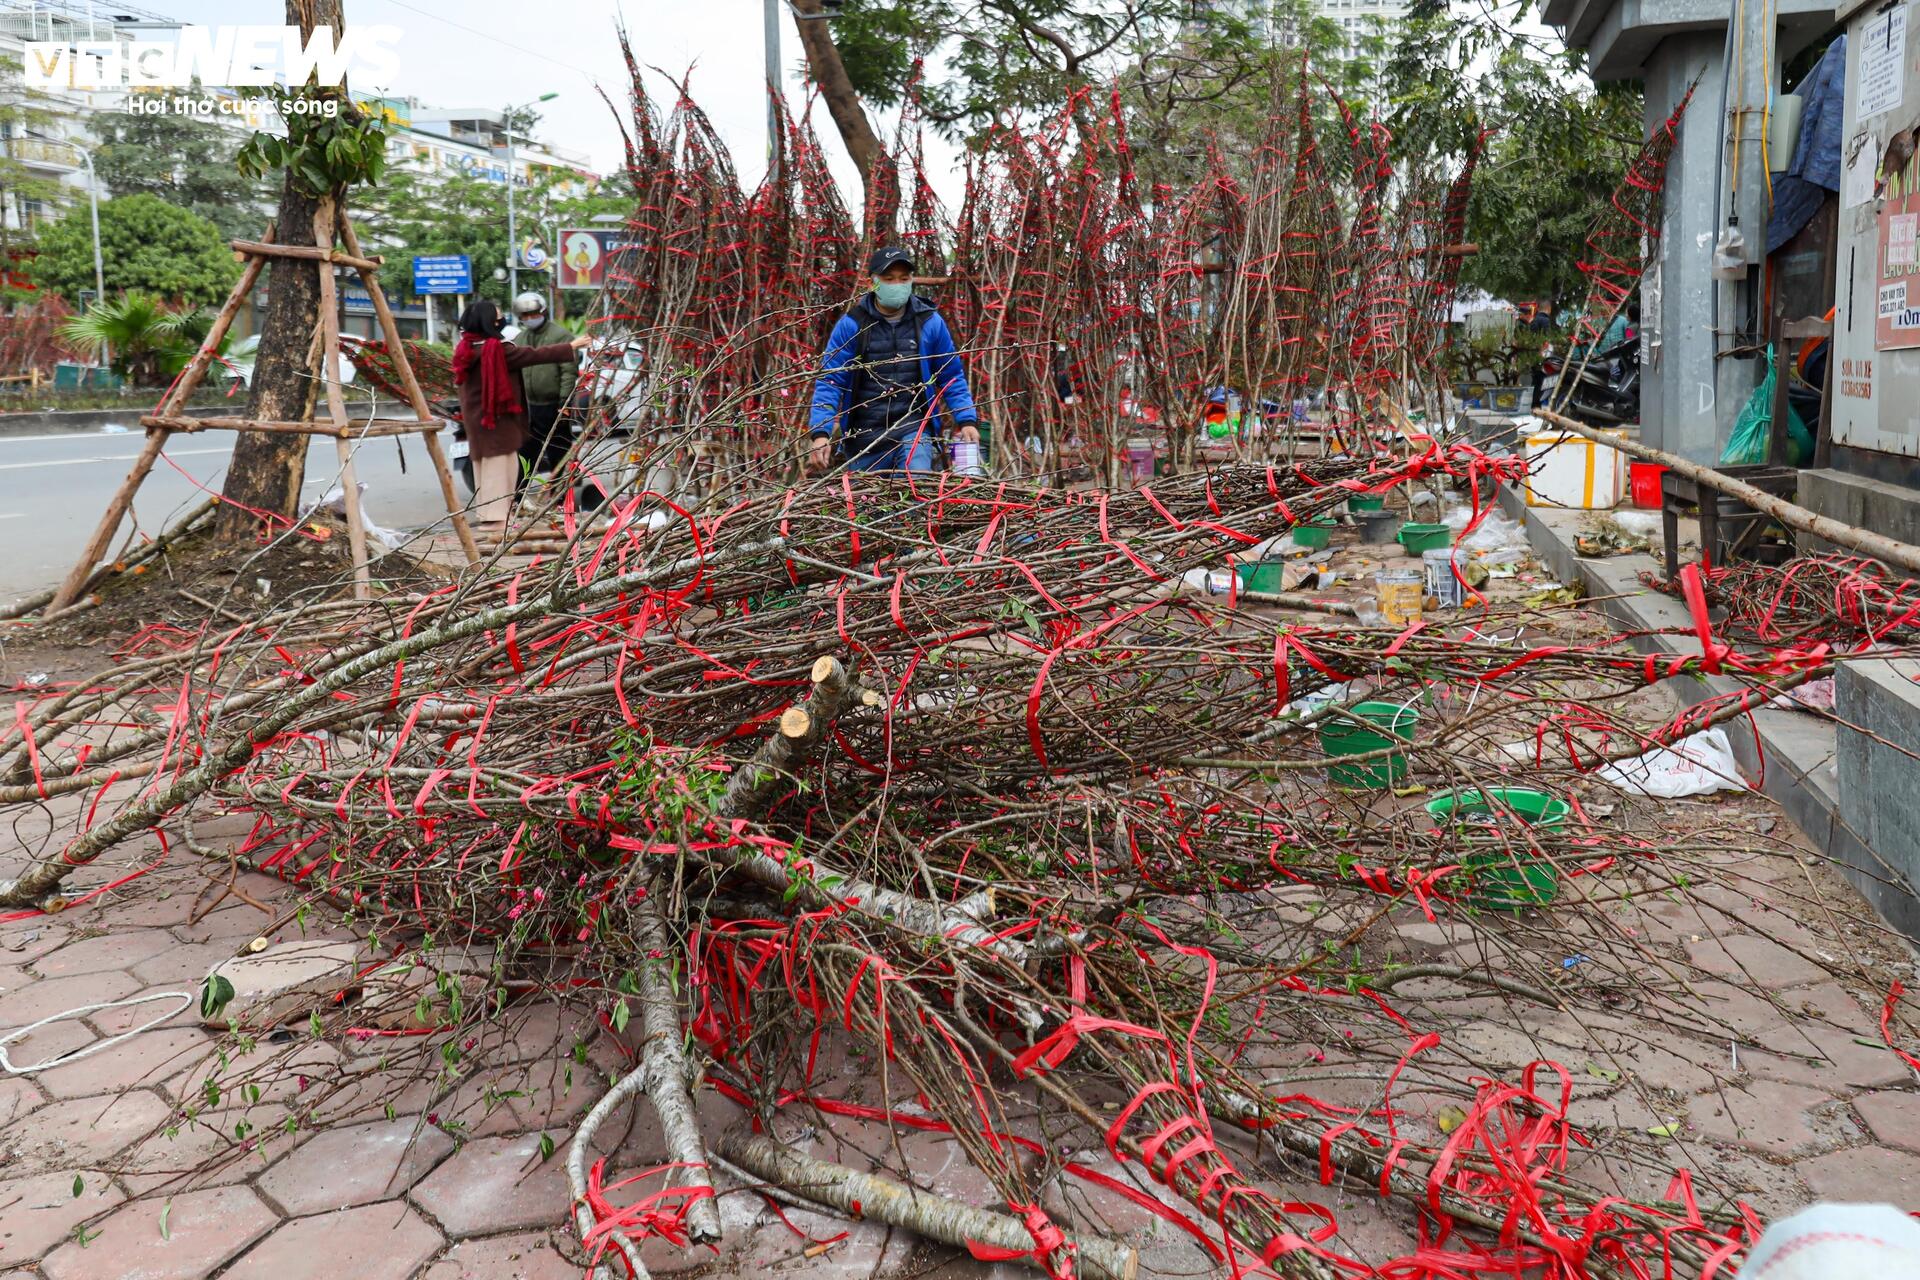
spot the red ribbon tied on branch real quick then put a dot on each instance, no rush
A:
(1048, 1239)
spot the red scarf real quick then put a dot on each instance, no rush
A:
(497, 394)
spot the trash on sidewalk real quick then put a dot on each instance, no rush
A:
(1697, 765)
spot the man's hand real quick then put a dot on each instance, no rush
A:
(970, 432)
(820, 452)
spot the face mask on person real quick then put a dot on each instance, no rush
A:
(533, 322)
(892, 295)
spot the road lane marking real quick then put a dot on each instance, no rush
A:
(118, 457)
(95, 436)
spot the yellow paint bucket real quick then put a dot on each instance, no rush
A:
(1402, 593)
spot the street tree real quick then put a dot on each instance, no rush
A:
(320, 157)
(184, 159)
(148, 246)
(997, 58)
(1537, 193)
(1557, 145)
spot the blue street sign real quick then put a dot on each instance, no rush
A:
(447, 273)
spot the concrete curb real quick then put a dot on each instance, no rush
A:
(1793, 753)
(85, 421)
(89, 421)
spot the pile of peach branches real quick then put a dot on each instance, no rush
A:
(1093, 306)
(966, 777)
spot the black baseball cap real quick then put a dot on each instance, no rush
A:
(891, 256)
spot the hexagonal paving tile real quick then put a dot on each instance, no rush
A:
(1874, 1175)
(156, 1058)
(18, 1097)
(205, 1153)
(497, 1184)
(527, 1255)
(1764, 1116)
(49, 996)
(49, 1044)
(182, 963)
(24, 941)
(114, 950)
(204, 1229)
(341, 1168)
(1767, 963)
(79, 1133)
(1822, 1038)
(233, 926)
(374, 1242)
(1893, 1115)
(41, 1211)
(174, 1001)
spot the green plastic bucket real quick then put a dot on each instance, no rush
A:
(1262, 575)
(1342, 737)
(1506, 878)
(1367, 502)
(1417, 538)
(1312, 535)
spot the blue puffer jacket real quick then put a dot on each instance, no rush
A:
(940, 367)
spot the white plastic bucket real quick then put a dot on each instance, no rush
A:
(966, 458)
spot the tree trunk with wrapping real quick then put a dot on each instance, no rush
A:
(267, 469)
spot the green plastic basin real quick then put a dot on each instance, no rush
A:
(1312, 535)
(1505, 878)
(1341, 737)
(1417, 538)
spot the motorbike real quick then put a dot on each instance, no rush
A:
(1605, 390)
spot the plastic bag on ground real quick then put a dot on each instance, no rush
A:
(335, 500)
(1831, 1241)
(1697, 765)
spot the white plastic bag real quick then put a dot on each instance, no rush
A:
(1697, 765)
(335, 500)
(1838, 1242)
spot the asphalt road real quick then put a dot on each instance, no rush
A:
(54, 489)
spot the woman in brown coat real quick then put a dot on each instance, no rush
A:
(493, 404)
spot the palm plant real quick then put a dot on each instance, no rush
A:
(148, 341)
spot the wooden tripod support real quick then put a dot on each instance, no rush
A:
(330, 223)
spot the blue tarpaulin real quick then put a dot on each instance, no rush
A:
(1814, 170)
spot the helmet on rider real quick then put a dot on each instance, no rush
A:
(529, 304)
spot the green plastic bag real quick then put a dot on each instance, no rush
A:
(1753, 429)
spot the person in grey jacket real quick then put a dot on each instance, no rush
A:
(549, 387)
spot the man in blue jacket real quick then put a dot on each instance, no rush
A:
(889, 368)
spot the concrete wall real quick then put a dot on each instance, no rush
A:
(1688, 399)
(1880, 780)
(1873, 504)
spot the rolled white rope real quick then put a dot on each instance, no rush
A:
(186, 998)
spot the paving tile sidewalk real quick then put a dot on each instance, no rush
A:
(1777, 1099)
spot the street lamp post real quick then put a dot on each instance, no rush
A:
(772, 27)
(93, 208)
(93, 203)
(513, 239)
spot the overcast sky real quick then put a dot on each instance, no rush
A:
(510, 51)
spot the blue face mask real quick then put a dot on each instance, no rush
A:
(892, 296)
